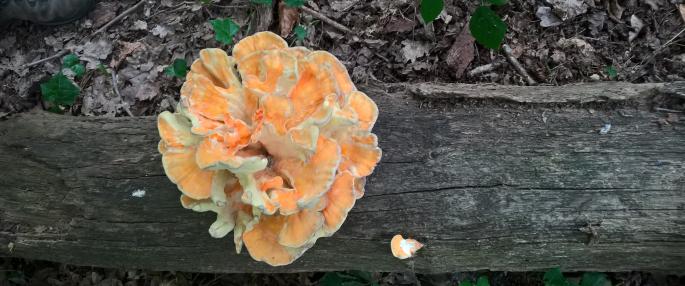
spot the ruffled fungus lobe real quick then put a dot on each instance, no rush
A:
(275, 140)
(404, 248)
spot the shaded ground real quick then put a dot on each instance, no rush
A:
(392, 46)
(21, 272)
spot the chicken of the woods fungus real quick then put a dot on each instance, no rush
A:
(275, 140)
(404, 248)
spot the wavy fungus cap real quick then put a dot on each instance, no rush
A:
(275, 140)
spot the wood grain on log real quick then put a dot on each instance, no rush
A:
(495, 186)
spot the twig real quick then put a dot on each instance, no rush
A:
(103, 28)
(668, 110)
(327, 20)
(486, 68)
(116, 91)
(117, 18)
(674, 37)
(58, 55)
(517, 65)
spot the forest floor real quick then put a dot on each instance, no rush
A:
(625, 40)
(600, 40)
(40, 273)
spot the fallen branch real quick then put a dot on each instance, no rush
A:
(486, 68)
(597, 92)
(327, 20)
(496, 187)
(115, 87)
(517, 65)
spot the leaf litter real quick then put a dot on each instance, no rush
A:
(391, 46)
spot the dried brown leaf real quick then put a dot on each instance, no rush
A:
(127, 48)
(287, 18)
(614, 9)
(104, 12)
(399, 24)
(681, 8)
(461, 54)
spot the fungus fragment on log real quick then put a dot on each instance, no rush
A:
(404, 248)
(275, 140)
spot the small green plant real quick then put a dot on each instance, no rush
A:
(482, 281)
(431, 9)
(262, 2)
(102, 69)
(554, 277)
(300, 32)
(611, 72)
(178, 69)
(59, 90)
(348, 278)
(72, 62)
(224, 30)
(487, 27)
(294, 3)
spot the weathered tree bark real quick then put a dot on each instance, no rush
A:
(485, 185)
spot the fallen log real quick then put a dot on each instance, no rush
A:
(484, 184)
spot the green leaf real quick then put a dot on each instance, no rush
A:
(78, 69)
(430, 9)
(206, 2)
(330, 279)
(611, 72)
(300, 32)
(363, 275)
(483, 281)
(178, 69)
(594, 279)
(294, 3)
(224, 30)
(466, 283)
(70, 60)
(102, 69)
(498, 2)
(487, 28)
(59, 90)
(262, 2)
(554, 277)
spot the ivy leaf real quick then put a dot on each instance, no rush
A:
(78, 69)
(224, 30)
(300, 32)
(178, 69)
(70, 60)
(294, 3)
(430, 9)
(466, 283)
(59, 90)
(554, 277)
(594, 279)
(262, 2)
(498, 2)
(611, 72)
(483, 281)
(487, 28)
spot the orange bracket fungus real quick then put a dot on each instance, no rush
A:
(404, 248)
(275, 140)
